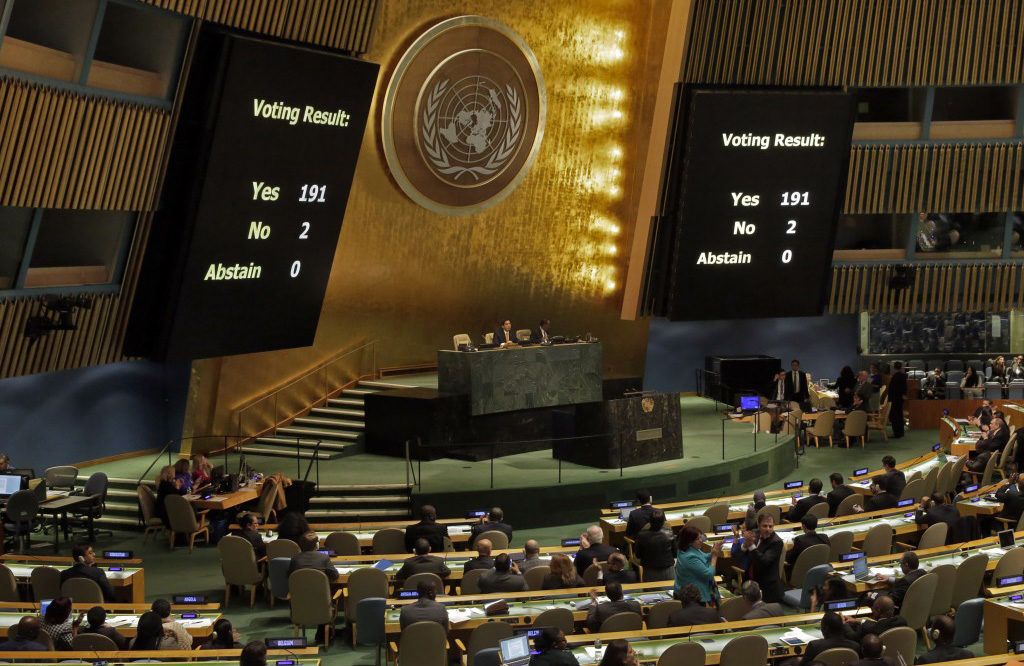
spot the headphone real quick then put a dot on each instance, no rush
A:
(933, 631)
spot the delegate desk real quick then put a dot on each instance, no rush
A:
(503, 380)
(167, 657)
(125, 621)
(1004, 619)
(222, 501)
(861, 483)
(458, 529)
(129, 584)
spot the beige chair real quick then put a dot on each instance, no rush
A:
(943, 600)
(622, 622)
(969, 576)
(917, 604)
(593, 574)
(683, 654)
(488, 338)
(147, 504)
(657, 615)
(855, 427)
(265, 504)
(363, 584)
(900, 641)
(8, 585)
(702, 523)
(461, 339)
(412, 581)
(822, 428)
(934, 536)
(388, 541)
(45, 583)
(239, 567)
(749, 650)
(956, 472)
(1008, 523)
(184, 520)
(1010, 564)
(718, 513)
(471, 581)
(809, 558)
(839, 543)
(422, 644)
(879, 421)
(92, 643)
(311, 602)
(523, 334)
(930, 481)
(819, 510)
(734, 608)
(771, 510)
(486, 635)
(765, 421)
(942, 479)
(913, 490)
(499, 540)
(556, 617)
(985, 476)
(343, 543)
(845, 507)
(282, 548)
(535, 576)
(838, 657)
(82, 590)
(878, 541)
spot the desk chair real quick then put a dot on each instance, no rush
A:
(461, 339)
(498, 539)
(845, 507)
(22, 510)
(388, 540)
(523, 334)
(239, 567)
(943, 599)
(363, 584)
(184, 520)
(734, 608)
(968, 622)
(900, 641)
(627, 621)
(8, 585)
(745, 651)
(423, 644)
(913, 490)
(840, 543)
(683, 654)
(488, 657)
(92, 642)
(61, 477)
(658, 614)
(485, 636)
(878, 541)
(969, 576)
(856, 427)
(370, 618)
(819, 511)
(311, 602)
(837, 657)
(282, 548)
(277, 576)
(811, 558)
(82, 590)
(45, 583)
(471, 581)
(412, 581)
(917, 604)
(557, 617)
(718, 513)
(96, 486)
(343, 543)
(535, 576)
(147, 508)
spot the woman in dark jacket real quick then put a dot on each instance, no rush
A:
(563, 574)
(552, 649)
(165, 485)
(765, 549)
(845, 385)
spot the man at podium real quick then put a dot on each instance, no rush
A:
(504, 335)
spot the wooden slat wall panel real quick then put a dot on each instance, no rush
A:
(62, 149)
(856, 42)
(340, 24)
(951, 178)
(936, 288)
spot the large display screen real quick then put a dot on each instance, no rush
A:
(762, 181)
(250, 219)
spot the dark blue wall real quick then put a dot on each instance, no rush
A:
(676, 349)
(66, 417)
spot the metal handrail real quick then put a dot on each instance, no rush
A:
(322, 367)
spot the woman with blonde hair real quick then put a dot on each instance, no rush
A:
(563, 574)
(166, 485)
(201, 469)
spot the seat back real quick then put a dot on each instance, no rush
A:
(592, 575)
(363, 584)
(822, 426)
(900, 641)
(718, 513)
(61, 476)
(952, 390)
(461, 339)
(918, 601)
(943, 599)
(683, 654)
(265, 505)
(96, 485)
(471, 581)
(486, 635)
(914, 489)
(969, 576)
(813, 579)
(535, 576)
(388, 540)
(343, 543)
(657, 615)
(942, 478)
(934, 536)
(180, 514)
(22, 507)
(147, 502)
(813, 556)
(45, 583)
(523, 334)
(734, 609)
(772, 510)
(499, 540)
(412, 581)
(837, 657)
(282, 548)
(878, 541)
(310, 597)
(556, 617)
(856, 424)
(845, 507)
(93, 642)
(993, 390)
(745, 651)
(1016, 390)
(8, 584)
(955, 366)
(930, 479)
(702, 523)
(622, 622)
(1010, 564)
(423, 644)
(839, 543)
(82, 590)
(968, 622)
(488, 657)
(370, 619)
(238, 561)
(277, 573)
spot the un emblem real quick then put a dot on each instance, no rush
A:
(463, 116)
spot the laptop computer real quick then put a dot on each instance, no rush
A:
(750, 403)
(1005, 539)
(9, 484)
(860, 571)
(515, 651)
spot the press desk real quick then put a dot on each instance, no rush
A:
(222, 501)
(129, 585)
(458, 529)
(125, 622)
(923, 464)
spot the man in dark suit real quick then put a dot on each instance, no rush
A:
(802, 506)
(883, 497)
(424, 562)
(1012, 497)
(425, 609)
(934, 509)
(943, 631)
(895, 480)
(247, 524)
(809, 538)
(910, 566)
(758, 608)
(427, 529)
(97, 618)
(832, 637)
(871, 653)
(483, 559)
(617, 571)
(311, 558)
(591, 549)
(641, 515)
(897, 392)
(693, 611)
(996, 438)
(540, 334)
(796, 383)
(25, 637)
(85, 567)
(839, 492)
(504, 334)
(599, 612)
(656, 549)
(495, 520)
(504, 577)
(883, 618)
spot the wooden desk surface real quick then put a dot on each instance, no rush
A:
(221, 501)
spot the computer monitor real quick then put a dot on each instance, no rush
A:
(860, 567)
(1005, 539)
(9, 484)
(515, 650)
(750, 403)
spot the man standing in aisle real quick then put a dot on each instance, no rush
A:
(897, 391)
(796, 384)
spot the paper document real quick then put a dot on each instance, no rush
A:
(800, 634)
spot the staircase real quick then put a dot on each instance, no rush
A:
(359, 503)
(122, 510)
(338, 426)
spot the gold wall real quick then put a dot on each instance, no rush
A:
(554, 248)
